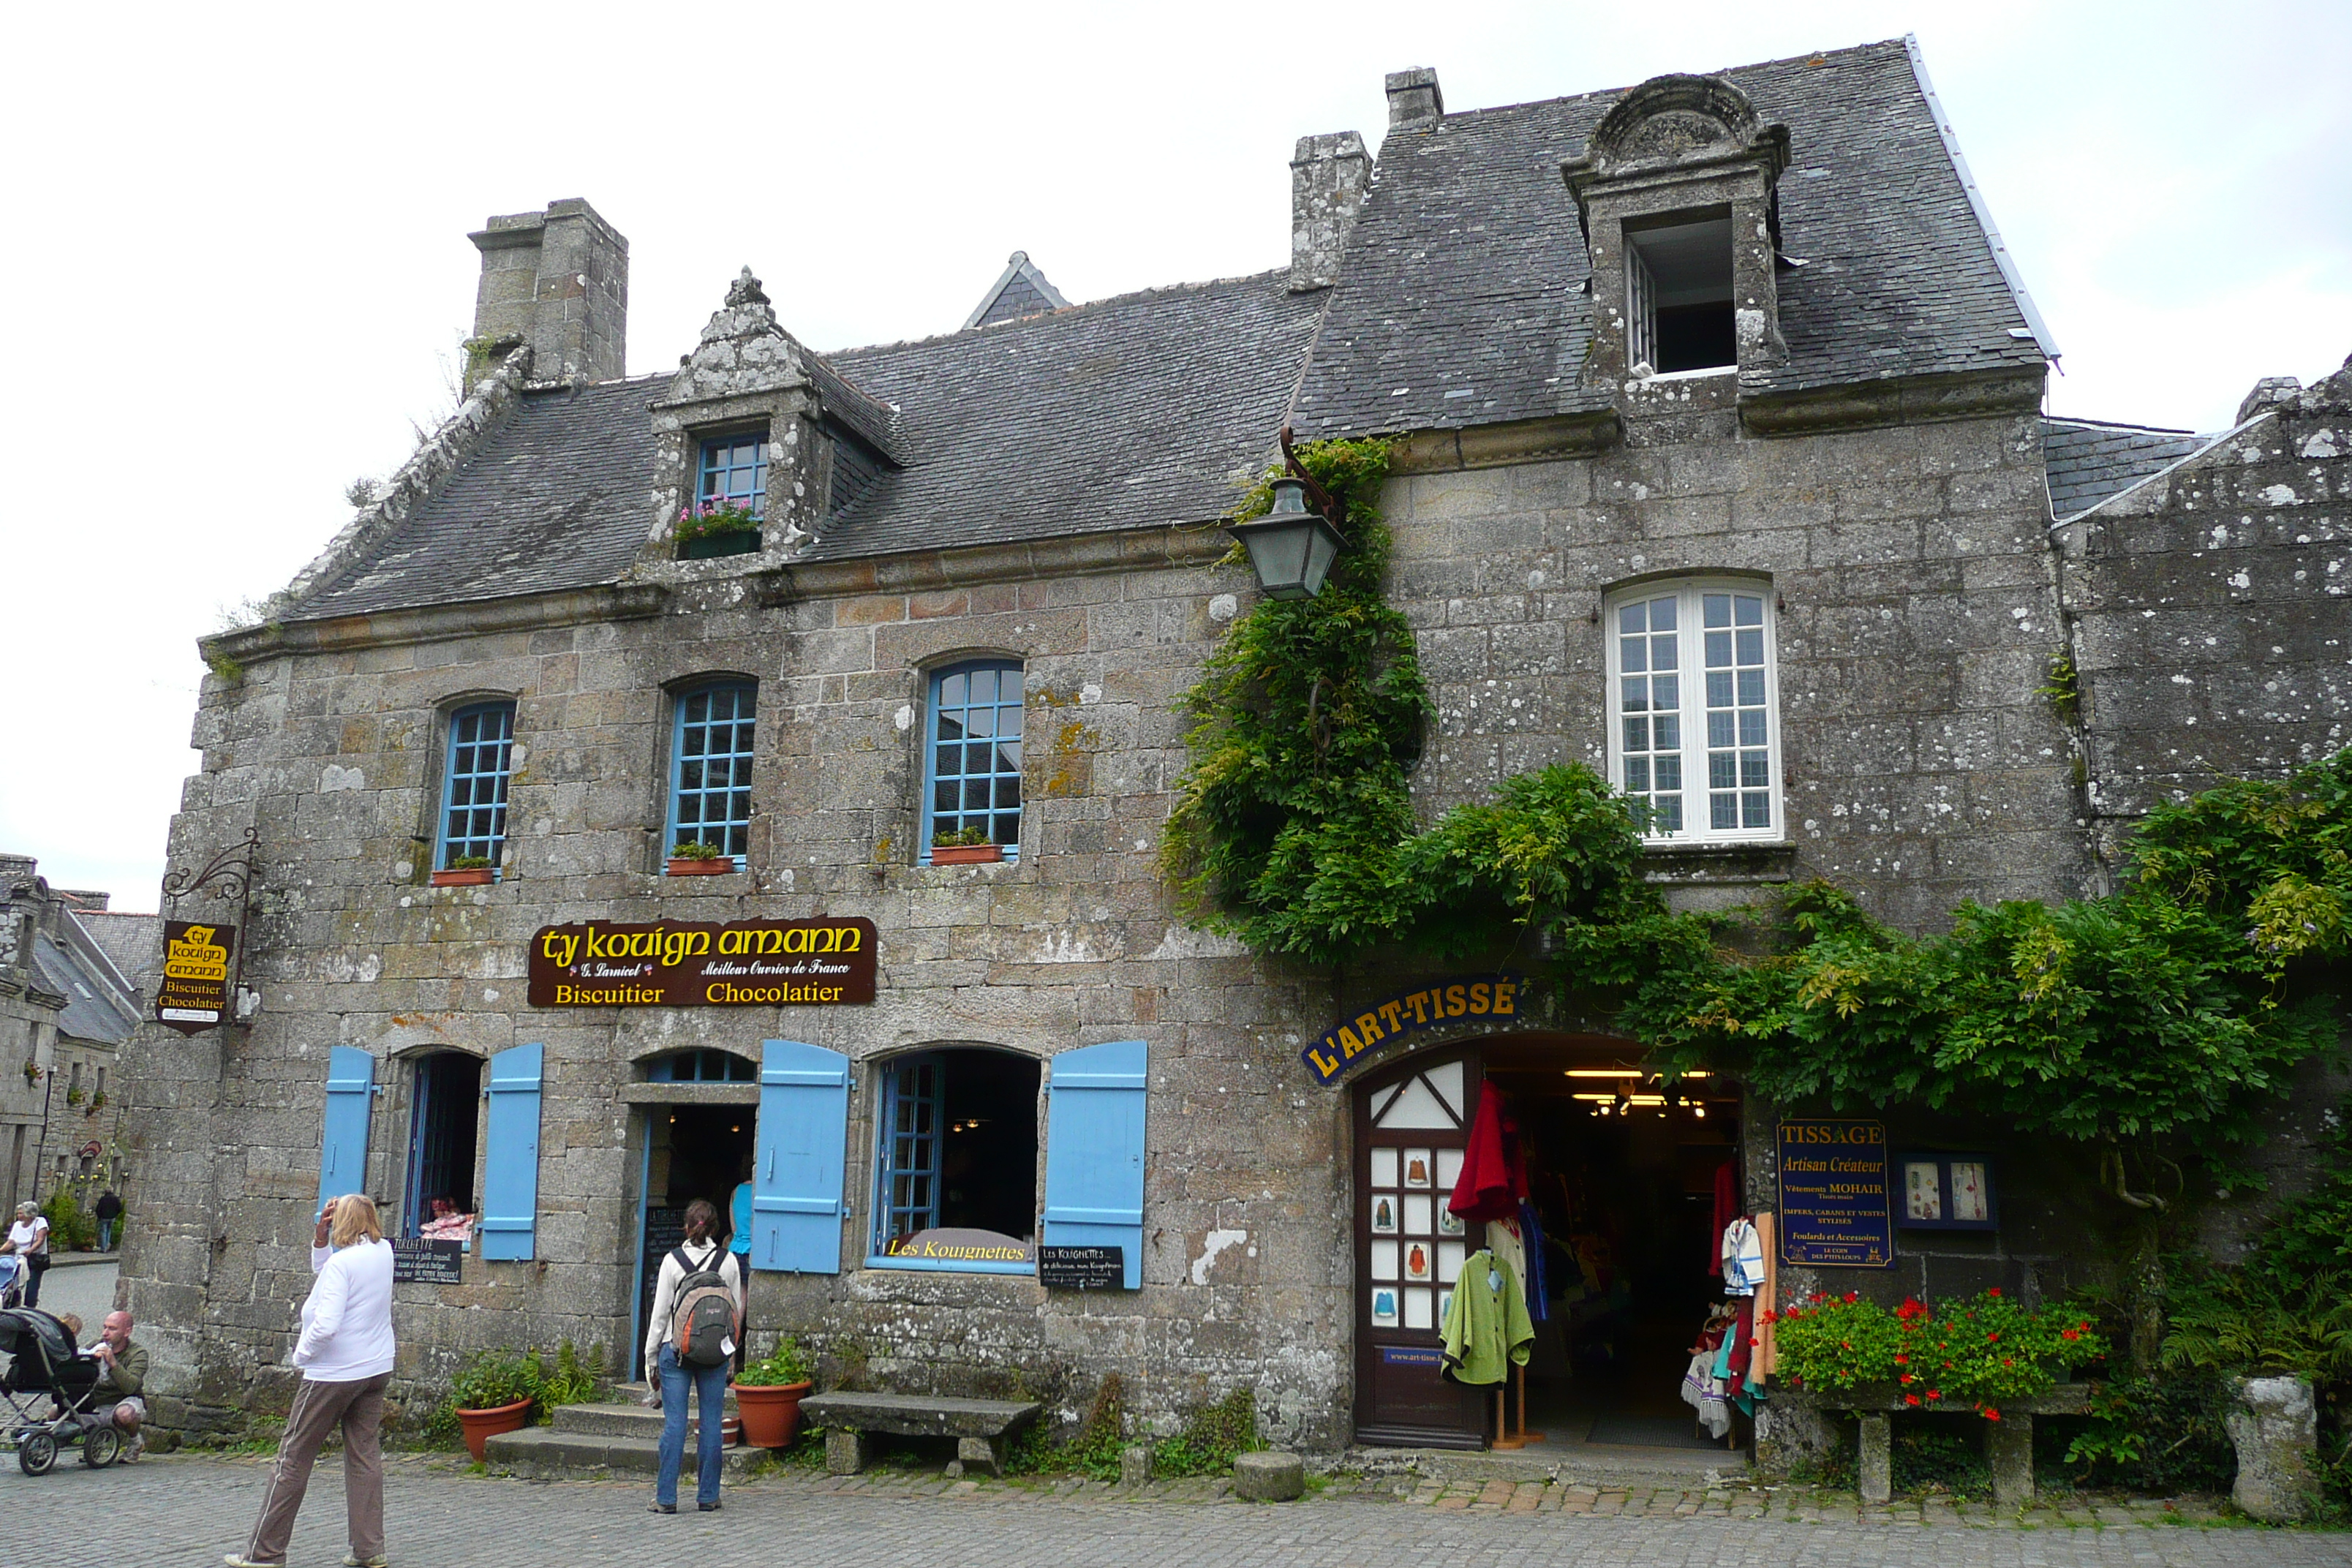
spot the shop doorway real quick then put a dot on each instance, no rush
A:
(692, 1152)
(1620, 1177)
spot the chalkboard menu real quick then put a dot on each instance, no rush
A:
(415, 1260)
(1835, 1206)
(664, 1229)
(1081, 1267)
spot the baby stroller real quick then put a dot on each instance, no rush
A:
(48, 1387)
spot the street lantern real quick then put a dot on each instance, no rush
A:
(1290, 548)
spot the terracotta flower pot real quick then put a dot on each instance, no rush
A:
(481, 1425)
(477, 877)
(771, 1416)
(966, 854)
(717, 868)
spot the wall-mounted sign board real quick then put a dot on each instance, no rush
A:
(417, 1260)
(1835, 1207)
(1082, 1268)
(1464, 998)
(193, 996)
(820, 962)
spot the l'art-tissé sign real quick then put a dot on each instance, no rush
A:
(1409, 1013)
(820, 962)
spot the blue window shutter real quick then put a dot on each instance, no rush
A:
(801, 1144)
(510, 1155)
(1094, 1150)
(343, 1147)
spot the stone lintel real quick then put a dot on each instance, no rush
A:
(691, 1094)
(1897, 400)
(1070, 555)
(1494, 446)
(440, 623)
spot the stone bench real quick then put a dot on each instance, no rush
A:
(978, 1425)
(2009, 1442)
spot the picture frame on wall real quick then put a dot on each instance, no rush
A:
(1938, 1190)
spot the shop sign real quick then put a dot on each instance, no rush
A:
(193, 994)
(1082, 1268)
(415, 1260)
(955, 1244)
(825, 961)
(1411, 1013)
(1835, 1207)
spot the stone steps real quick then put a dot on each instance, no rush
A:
(592, 1440)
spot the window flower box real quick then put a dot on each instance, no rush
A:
(681, 867)
(967, 854)
(470, 877)
(710, 546)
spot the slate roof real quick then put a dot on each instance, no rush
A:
(1461, 300)
(2091, 461)
(555, 498)
(1151, 409)
(94, 1009)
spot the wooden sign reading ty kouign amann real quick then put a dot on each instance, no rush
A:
(825, 961)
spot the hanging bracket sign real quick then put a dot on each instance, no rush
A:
(193, 994)
(1410, 1013)
(825, 961)
(1835, 1205)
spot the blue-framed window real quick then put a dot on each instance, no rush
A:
(711, 772)
(735, 469)
(700, 1066)
(971, 764)
(958, 1133)
(473, 786)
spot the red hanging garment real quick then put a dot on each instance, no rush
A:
(1726, 1209)
(1486, 1189)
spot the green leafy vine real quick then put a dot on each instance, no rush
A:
(2156, 1017)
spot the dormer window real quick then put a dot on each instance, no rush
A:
(735, 472)
(1678, 292)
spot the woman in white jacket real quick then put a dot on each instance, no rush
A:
(345, 1353)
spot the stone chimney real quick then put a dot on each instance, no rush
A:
(1329, 177)
(557, 281)
(1413, 98)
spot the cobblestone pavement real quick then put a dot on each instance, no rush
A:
(188, 1509)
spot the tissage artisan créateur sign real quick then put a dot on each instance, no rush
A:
(1835, 1206)
(820, 962)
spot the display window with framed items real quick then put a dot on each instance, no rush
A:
(1941, 1191)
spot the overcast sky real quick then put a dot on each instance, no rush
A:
(237, 269)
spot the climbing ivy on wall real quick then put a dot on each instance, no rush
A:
(2166, 1011)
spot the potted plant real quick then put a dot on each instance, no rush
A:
(768, 1394)
(494, 1394)
(693, 857)
(74, 1096)
(964, 846)
(98, 1102)
(465, 871)
(716, 527)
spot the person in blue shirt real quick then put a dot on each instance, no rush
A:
(738, 1218)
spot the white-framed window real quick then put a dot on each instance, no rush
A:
(1694, 708)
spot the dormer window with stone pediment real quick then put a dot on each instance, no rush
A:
(1677, 192)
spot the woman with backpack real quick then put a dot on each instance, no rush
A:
(691, 1338)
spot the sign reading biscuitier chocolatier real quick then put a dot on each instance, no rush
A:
(825, 961)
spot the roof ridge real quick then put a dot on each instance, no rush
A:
(1824, 55)
(1081, 306)
(2116, 425)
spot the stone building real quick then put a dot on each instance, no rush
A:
(68, 1000)
(1736, 361)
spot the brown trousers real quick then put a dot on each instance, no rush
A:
(319, 1408)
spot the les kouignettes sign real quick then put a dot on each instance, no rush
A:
(825, 961)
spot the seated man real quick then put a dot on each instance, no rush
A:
(123, 1380)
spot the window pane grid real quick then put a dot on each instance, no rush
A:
(1708, 771)
(1649, 657)
(735, 470)
(973, 757)
(474, 795)
(910, 1152)
(711, 797)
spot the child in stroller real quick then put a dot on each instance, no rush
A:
(45, 1366)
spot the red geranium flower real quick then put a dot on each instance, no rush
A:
(1903, 1360)
(1853, 1296)
(1935, 1394)
(1910, 1399)
(1994, 1291)
(1991, 1415)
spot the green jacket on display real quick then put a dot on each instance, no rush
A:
(1486, 1327)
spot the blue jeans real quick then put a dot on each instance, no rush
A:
(709, 1383)
(106, 1236)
